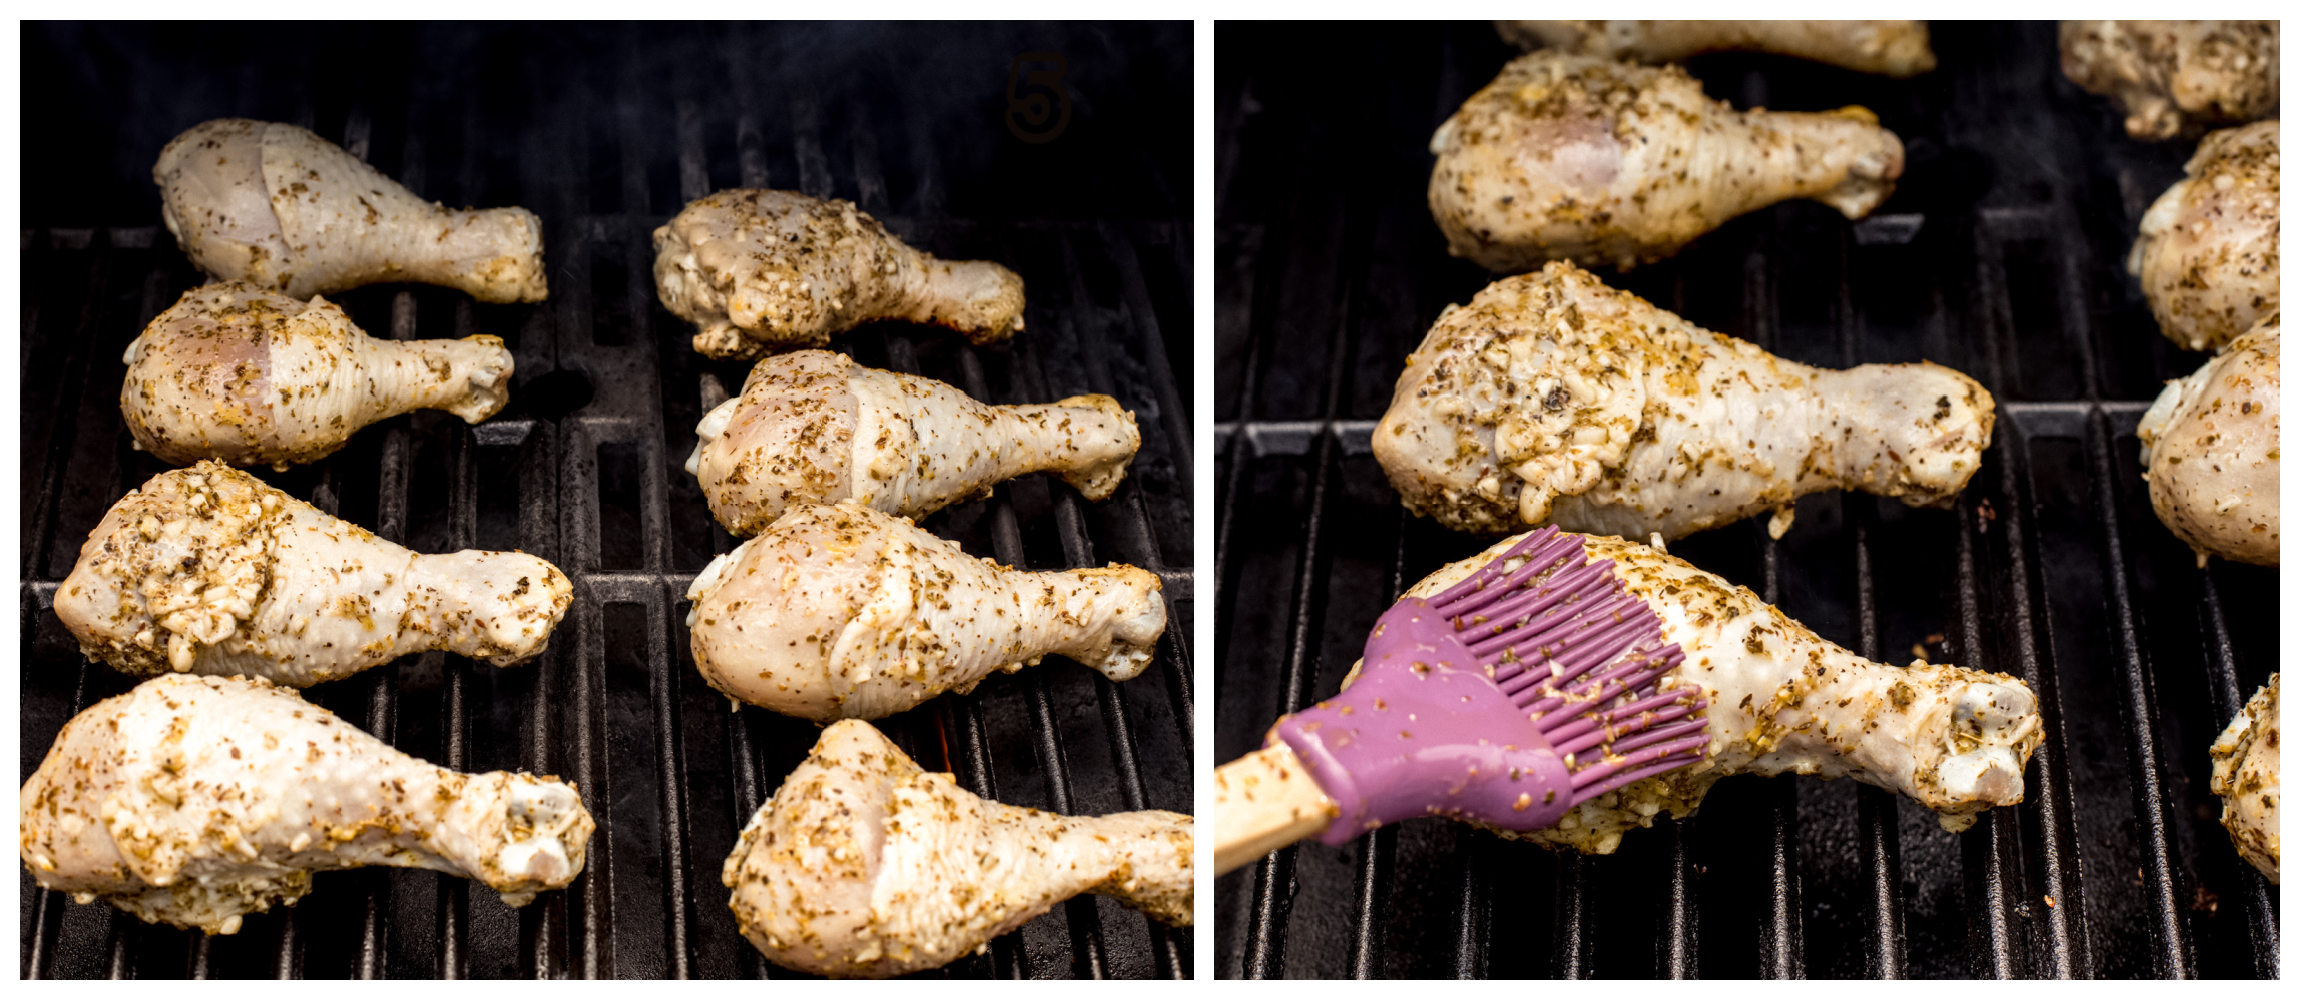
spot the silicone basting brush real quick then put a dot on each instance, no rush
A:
(1504, 700)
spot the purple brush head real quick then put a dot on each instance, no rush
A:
(1505, 700)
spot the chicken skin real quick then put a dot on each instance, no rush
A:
(1553, 399)
(2210, 445)
(1783, 700)
(1893, 48)
(249, 377)
(2207, 255)
(209, 570)
(841, 612)
(2247, 775)
(286, 210)
(1569, 157)
(815, 427)
(194, 801)
(760, 271)
(865, 866)
(2176, 77)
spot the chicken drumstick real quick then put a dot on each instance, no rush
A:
(250, 377)
(194, 801)
(864, 865)
(212, 571)
(1567, 157)
(1893, 48)
(2211, 443)
(1784, 700)
(2207, 254)
(1552, 399)
(762, 271)
(278, 206)
(2176, 77)
(815, 427)
(841, 612)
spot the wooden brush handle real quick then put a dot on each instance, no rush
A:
(1264, 801)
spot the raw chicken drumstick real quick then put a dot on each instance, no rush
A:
(841, 612)
(209, 570)
(1893, 48)
(762, 271)
(278, 206)
(2246, 774)
(194, 801)
(863, 865)
(2207, 253)
(249, 377)
(2210, 445)
(1783, 700)
(2176, 77)
(1552, 399)
(815, 427)
(1567, 157)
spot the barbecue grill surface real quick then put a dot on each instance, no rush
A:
(2001, 256)
(606, 132)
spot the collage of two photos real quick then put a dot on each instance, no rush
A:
(1673, 499)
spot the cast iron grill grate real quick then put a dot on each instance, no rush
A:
(2001, 256)
(605, 134)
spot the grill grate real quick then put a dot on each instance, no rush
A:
(2001, 256)
(605, 134)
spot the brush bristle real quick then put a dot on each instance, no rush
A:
(1583, 656)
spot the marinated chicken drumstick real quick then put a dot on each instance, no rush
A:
(1783, 700)
(1567, 157)
(864, 865)
(1893, 48)
(2207, 255)
(194, 801)
(1552, 399)
(2210, 442)
(2176, 77)
(2247, 768)
(815, 427)
(209, 570)
(841, 612)
(762, 271)
(242, 375)
(289, 211)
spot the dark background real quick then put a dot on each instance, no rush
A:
(605, 131)
(2025, 193)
